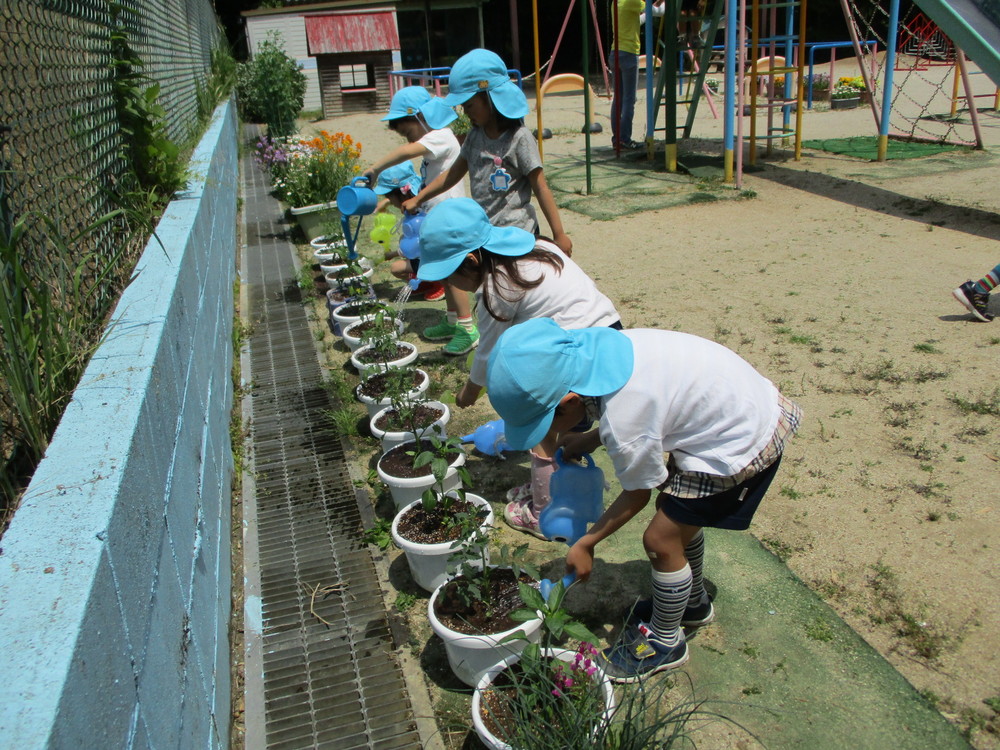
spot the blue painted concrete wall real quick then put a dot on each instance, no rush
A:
(115, 572)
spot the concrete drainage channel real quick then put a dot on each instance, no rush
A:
(320, 671)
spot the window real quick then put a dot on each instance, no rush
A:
(355, 77)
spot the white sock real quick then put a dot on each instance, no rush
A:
(452, 318)
(466, 323)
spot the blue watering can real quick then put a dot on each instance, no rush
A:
(409, 245)
(577, 493)
(489, 438)
(356, 199)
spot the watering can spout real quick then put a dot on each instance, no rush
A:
(489, 438)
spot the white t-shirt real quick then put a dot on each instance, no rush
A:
(699, 401)
(443, 150)
(569, 297)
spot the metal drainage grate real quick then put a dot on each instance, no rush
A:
(335, 685)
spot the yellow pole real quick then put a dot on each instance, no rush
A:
(800, 94)
(954, 90)
(538, 78)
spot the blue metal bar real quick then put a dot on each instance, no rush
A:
(890, 64)
(650, 57)
(812, 58)
(729, 75)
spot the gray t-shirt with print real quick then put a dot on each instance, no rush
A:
(498, 175)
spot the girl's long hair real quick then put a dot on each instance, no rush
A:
(506, 274)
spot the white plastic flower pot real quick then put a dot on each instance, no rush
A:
(334, 283)
(495, 743)
(314, 217)
(328, 246)
(392, 438)
(353, 340)
(471, 656)
(375, 406)
(364, 368)
(429, 562)
(344, 317)
(405, 490)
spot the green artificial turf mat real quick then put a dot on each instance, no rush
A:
(866, 147)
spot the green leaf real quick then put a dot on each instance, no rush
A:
(531, 596)
(580, 632)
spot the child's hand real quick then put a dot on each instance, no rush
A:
(575, 444)
(580, 560)
(412, 205)
(564, 242)
(468, 395)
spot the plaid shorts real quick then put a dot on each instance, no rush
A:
(694, 484)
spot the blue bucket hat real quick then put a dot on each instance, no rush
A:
(398, 177)
(536, 363)
(482, 70)
(411, 101)
(458, 226)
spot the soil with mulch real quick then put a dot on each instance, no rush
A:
(422, 526)
(398, 461)
(477, 617)
(371, 327)
(371, 356)
(375, 386)
(423, 416)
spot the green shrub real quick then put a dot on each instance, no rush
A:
(271, 88)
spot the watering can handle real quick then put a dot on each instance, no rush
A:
(561, 461)
(360, 178)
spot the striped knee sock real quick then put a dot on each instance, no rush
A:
(466, 323)
(670, 598)
(989, 282)
(695, 554)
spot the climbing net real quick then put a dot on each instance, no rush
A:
(928, 97)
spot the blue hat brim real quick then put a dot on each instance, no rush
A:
(509, 100)
(437, 114)
(536, 363)
(509, 241)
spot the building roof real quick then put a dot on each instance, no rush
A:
(336, 33)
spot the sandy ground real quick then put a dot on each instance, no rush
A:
(835, 281)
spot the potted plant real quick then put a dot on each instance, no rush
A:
(405, 419)
(473, 613)
(383, 352)
(432, 529)
(352, 272)
(820, 83)
(363, 330)
(353, 309)
(847, 93)
(378, 389)
(407, 481)
(546, 696)
(461, 126)
(313, 171)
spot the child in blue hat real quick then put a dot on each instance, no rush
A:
(397, 183)
(652, 392)
(500, 155)
(516, 277)
(423, 121)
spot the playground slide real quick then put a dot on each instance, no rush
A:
(974, 25)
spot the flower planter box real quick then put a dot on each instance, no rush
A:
(850, 103)
(312, 219)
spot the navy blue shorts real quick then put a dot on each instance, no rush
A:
(732, 509)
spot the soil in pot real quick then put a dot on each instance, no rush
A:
(475, 617)
(375, 386)
(433, 526)
(360, 309)
(371, 326)
(398, 462)
(423, 415)
(372, 356)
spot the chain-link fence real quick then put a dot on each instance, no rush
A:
(62, 156)
(60, 147)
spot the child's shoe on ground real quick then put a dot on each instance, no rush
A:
(638, 654)
(463, 341)
(520, 515)
(517, 494)
(975, 302)
(432, 290)
(441, 331)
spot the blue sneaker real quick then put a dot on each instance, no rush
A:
(694, 616)
(637, 654)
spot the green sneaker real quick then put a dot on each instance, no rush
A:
(443, 330)
(463, 341)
